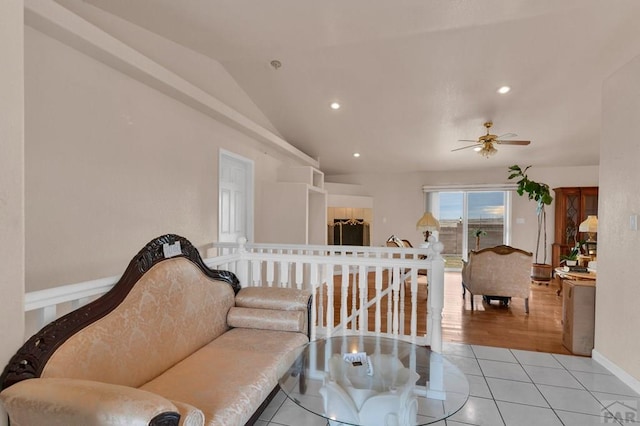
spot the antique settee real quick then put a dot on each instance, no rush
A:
(172, 343)
(500, 272)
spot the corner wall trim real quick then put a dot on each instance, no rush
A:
(626, 378)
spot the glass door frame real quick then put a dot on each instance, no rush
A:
(432, 204)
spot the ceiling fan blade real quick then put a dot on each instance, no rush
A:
(507, 135)
(513, 142)
(468, 140)
(465, 147)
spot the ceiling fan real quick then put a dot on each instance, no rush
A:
(484, 144)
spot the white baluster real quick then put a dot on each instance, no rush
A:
(344, 288)
(256, 272)
(299, 275)
(378, 285)
(364, 290)
(414, 304)
(270, 269)
(395, 287)
(330, 315)
(242, 269)
(283, 274)
(46, 315)
(389, 300)
(354, 299)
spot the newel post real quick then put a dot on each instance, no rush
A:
(436, 293)
(242, 265)
(435, 389)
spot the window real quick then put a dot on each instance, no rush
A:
(469, 219)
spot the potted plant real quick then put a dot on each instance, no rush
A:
(571, 259)
(541, 194)
(478, 233)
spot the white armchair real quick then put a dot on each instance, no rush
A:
(500, 272)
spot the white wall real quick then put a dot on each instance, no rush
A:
(112, 163)
(11, 180)
(399, 200)
(618, 288)
(206, 73)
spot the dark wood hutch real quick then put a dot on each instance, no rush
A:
(573, 205)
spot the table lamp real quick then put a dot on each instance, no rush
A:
(427, 224)
(590, 226)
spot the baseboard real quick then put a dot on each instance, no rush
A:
(626, 378)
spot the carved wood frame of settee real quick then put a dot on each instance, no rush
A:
(32, 357)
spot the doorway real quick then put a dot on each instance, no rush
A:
(470, 220)
(235, 197)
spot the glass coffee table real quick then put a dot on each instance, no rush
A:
(373, 381)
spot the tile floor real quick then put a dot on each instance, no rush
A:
(513, 387)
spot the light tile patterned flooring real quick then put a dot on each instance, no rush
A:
(514, 388)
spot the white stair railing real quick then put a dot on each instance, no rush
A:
(337, 276)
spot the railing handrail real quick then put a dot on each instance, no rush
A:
(67, 293)
(315, 263)
(346, 250)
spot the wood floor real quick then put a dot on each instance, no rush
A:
(493, 324)
(505, 327)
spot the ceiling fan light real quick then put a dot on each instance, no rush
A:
(487, 150)
(477, 149)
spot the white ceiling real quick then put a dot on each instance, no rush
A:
(413, 76)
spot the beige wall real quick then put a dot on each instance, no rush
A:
(112, 163)
(618, 289)
(399, 200)
(11, 180)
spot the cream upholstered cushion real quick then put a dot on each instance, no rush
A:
(285, 299)
(277, 299)
(244, 363)
(172, 311)
(64, 402)
(267, 319)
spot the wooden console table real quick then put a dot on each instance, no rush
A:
(567, 275)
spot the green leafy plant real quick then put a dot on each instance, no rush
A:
(573, 254)
(478, 233)
(538, 192)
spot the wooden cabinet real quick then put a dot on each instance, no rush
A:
(578, 316)
(573, 205)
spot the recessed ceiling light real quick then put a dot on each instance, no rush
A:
(356, 154)
(504, 90)
(335, 105)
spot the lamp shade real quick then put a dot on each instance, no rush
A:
(589, 225)
(428, 223)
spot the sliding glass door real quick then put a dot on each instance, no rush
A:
(469, 220)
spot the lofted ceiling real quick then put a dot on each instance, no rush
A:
(413, 76)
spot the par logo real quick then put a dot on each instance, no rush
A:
(625, 411)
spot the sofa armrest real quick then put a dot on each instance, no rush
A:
(58, 401)
(277, 298)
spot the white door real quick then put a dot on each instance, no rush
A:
(235, 198)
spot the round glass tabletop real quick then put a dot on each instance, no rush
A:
(366, 380)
